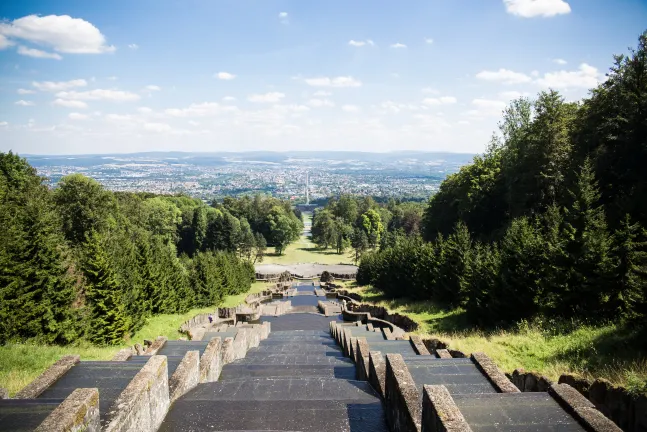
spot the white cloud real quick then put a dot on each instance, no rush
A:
(350, 108)
(361, 43)
(112, 78)
(560, 61)
(36, 53)
(200, 110)
(152, 88)
(322, 93)
(342, 81)
(78, 116)
(133, 46)
(144, 110)
(24, 103)
(157, 127)
(398, 45)
(585, 77)
(429, 41)
(100, 94)
(271, 97)
(119, 117)
(70, 103)
(510, 95)
(283, 16)
(59, 86)
(229, 99)
(395, 107)
(505, 76)
(318, 103)
(533, 8)
(60, 32)
(4, 42)
(25, 91)
(225, 76)
(4, 123)
(194, 123)
(443, 100)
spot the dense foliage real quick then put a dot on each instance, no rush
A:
(362, 224)
(79, 261)
(549, 221)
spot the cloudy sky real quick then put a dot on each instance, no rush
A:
(80, 76)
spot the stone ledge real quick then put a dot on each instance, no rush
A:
(418, 346)
(123, 355)
(443, 354)
(401, 397)
(240, 344)
(186, 376)
(439, 412)
(79, 412)
(4, 393)
(156, 346)
(228, 354)
(582, 409)
(361, 365)
(376, 371)
(211, 361)
(352, 349)
(493, 373)
(387, 333)
(144, 402)
(47, 378)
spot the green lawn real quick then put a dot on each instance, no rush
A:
(592, 351)
(21, 363)
(305, 251)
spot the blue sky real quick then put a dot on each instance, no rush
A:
(231, 75)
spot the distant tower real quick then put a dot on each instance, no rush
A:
(307, 188)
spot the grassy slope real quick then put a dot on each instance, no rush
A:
(21, 363)
(591, 351)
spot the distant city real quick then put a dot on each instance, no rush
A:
(413, 175)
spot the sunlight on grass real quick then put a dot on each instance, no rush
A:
(22, 363)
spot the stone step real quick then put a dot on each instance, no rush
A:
(179, 348)
(296, 348)
(514, 412)
(224, 334)
(173, 361)
(291, 359)
(237, 371)
(309, 341)
(392, 347)
(304, 416)
(458, 377)
(25, 414)
(285, 389)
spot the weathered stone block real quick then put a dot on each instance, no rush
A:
(47, 378)
(439, 412)
(387, 333)
(240, 344)
(123, 355)
(144, 402)
(4, 393)
(401, 397)
(186, 376)
(228, 354)
(493, 373)
(418, 346)
(156, 345)
(376, 371)
(443, 354)
(598, 394)
(361, 365)
(580, 384)
(79, 412)
(211, 361)
(457, 353)
(581, 408)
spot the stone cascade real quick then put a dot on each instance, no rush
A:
(129, 393)
(426, 392)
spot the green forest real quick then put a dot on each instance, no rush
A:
(79, 262)
(548, 223)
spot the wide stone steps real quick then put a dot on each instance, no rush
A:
(460, 376)
(292, 359)
(514, 412)
(236, 371)
(18, 415)
(180, 348)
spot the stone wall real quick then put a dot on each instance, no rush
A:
(402, 321)
(79, 412)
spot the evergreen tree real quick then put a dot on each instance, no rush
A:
(454, 270)
(109, 324)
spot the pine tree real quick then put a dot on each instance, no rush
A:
(628, 293)
(109, 324)
(455, 267)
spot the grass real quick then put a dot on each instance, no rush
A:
(609, 351)
(305, 251)
(22, 363)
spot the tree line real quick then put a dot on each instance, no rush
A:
(81, 262)
(362, 224)
(548, 222)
